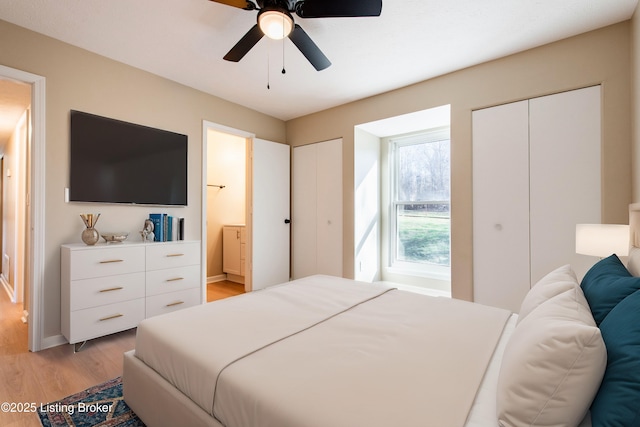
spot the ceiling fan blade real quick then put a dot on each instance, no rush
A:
(308, 48)
(338, 8)
(242, 4)
(245, 44)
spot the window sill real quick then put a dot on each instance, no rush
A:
(435, 272)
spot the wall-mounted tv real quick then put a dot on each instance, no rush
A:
(118, 162)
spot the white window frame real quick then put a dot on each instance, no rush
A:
(404, 267)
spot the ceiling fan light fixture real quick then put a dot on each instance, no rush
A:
(275, 24)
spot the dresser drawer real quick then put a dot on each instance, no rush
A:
(98, 291)
(166, 303)
(173, 279)
(106, 261)
(107, 319)
(170, 255)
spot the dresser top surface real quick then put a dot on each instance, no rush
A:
(125, 244)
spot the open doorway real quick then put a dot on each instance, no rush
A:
(266, 240)
(15, 161)
(226, 211)
(32, 252)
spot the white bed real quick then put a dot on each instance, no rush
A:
(325, 351)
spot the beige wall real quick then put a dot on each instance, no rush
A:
(599, 57)
(77, 79)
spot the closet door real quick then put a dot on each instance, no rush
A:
(304, 211)
(536, 174)
(565, 138)
(501, 205)
(317, 209)
(329, 208)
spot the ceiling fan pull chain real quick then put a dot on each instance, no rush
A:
(284, 37)
(283, 70)
(268, 68)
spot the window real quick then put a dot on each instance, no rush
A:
(420, 202)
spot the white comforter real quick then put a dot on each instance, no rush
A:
(325, 351)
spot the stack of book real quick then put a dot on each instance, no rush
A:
(167, 228)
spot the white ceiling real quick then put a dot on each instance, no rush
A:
(413, 40)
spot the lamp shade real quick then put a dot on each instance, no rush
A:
(275, 24)
(602, 240)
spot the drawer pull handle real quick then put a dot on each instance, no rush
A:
(175, 303)
(110, 261)
(112, 289)
(175, 279)
(174, 255)
(115, 316)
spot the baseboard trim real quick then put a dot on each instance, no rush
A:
(53, 341)
(218, 278)
(7, 288)
(235, 278)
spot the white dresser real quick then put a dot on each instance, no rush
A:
(109, 288)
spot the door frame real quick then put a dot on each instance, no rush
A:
(206, 126)
(36, 199)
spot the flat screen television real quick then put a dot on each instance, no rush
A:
(113, 161)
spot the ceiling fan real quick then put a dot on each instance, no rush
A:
(275, 20)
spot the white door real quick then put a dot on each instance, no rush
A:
(329, 207)
(317, 209)
(270, 213)
(501, 205)
(565, 184)
(536, 174)
(305, 212)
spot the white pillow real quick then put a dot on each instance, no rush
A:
(552, 365)
(633, 262)
(558, 281)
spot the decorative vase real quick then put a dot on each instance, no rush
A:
(90, 235)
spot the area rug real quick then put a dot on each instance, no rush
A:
(99, 406)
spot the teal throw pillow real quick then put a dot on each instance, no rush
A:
(617, 402)
(606, 284)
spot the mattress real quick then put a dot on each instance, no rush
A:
(483, 412)
(327, 351)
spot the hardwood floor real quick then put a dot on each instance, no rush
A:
(224, 289)
(49, 375)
